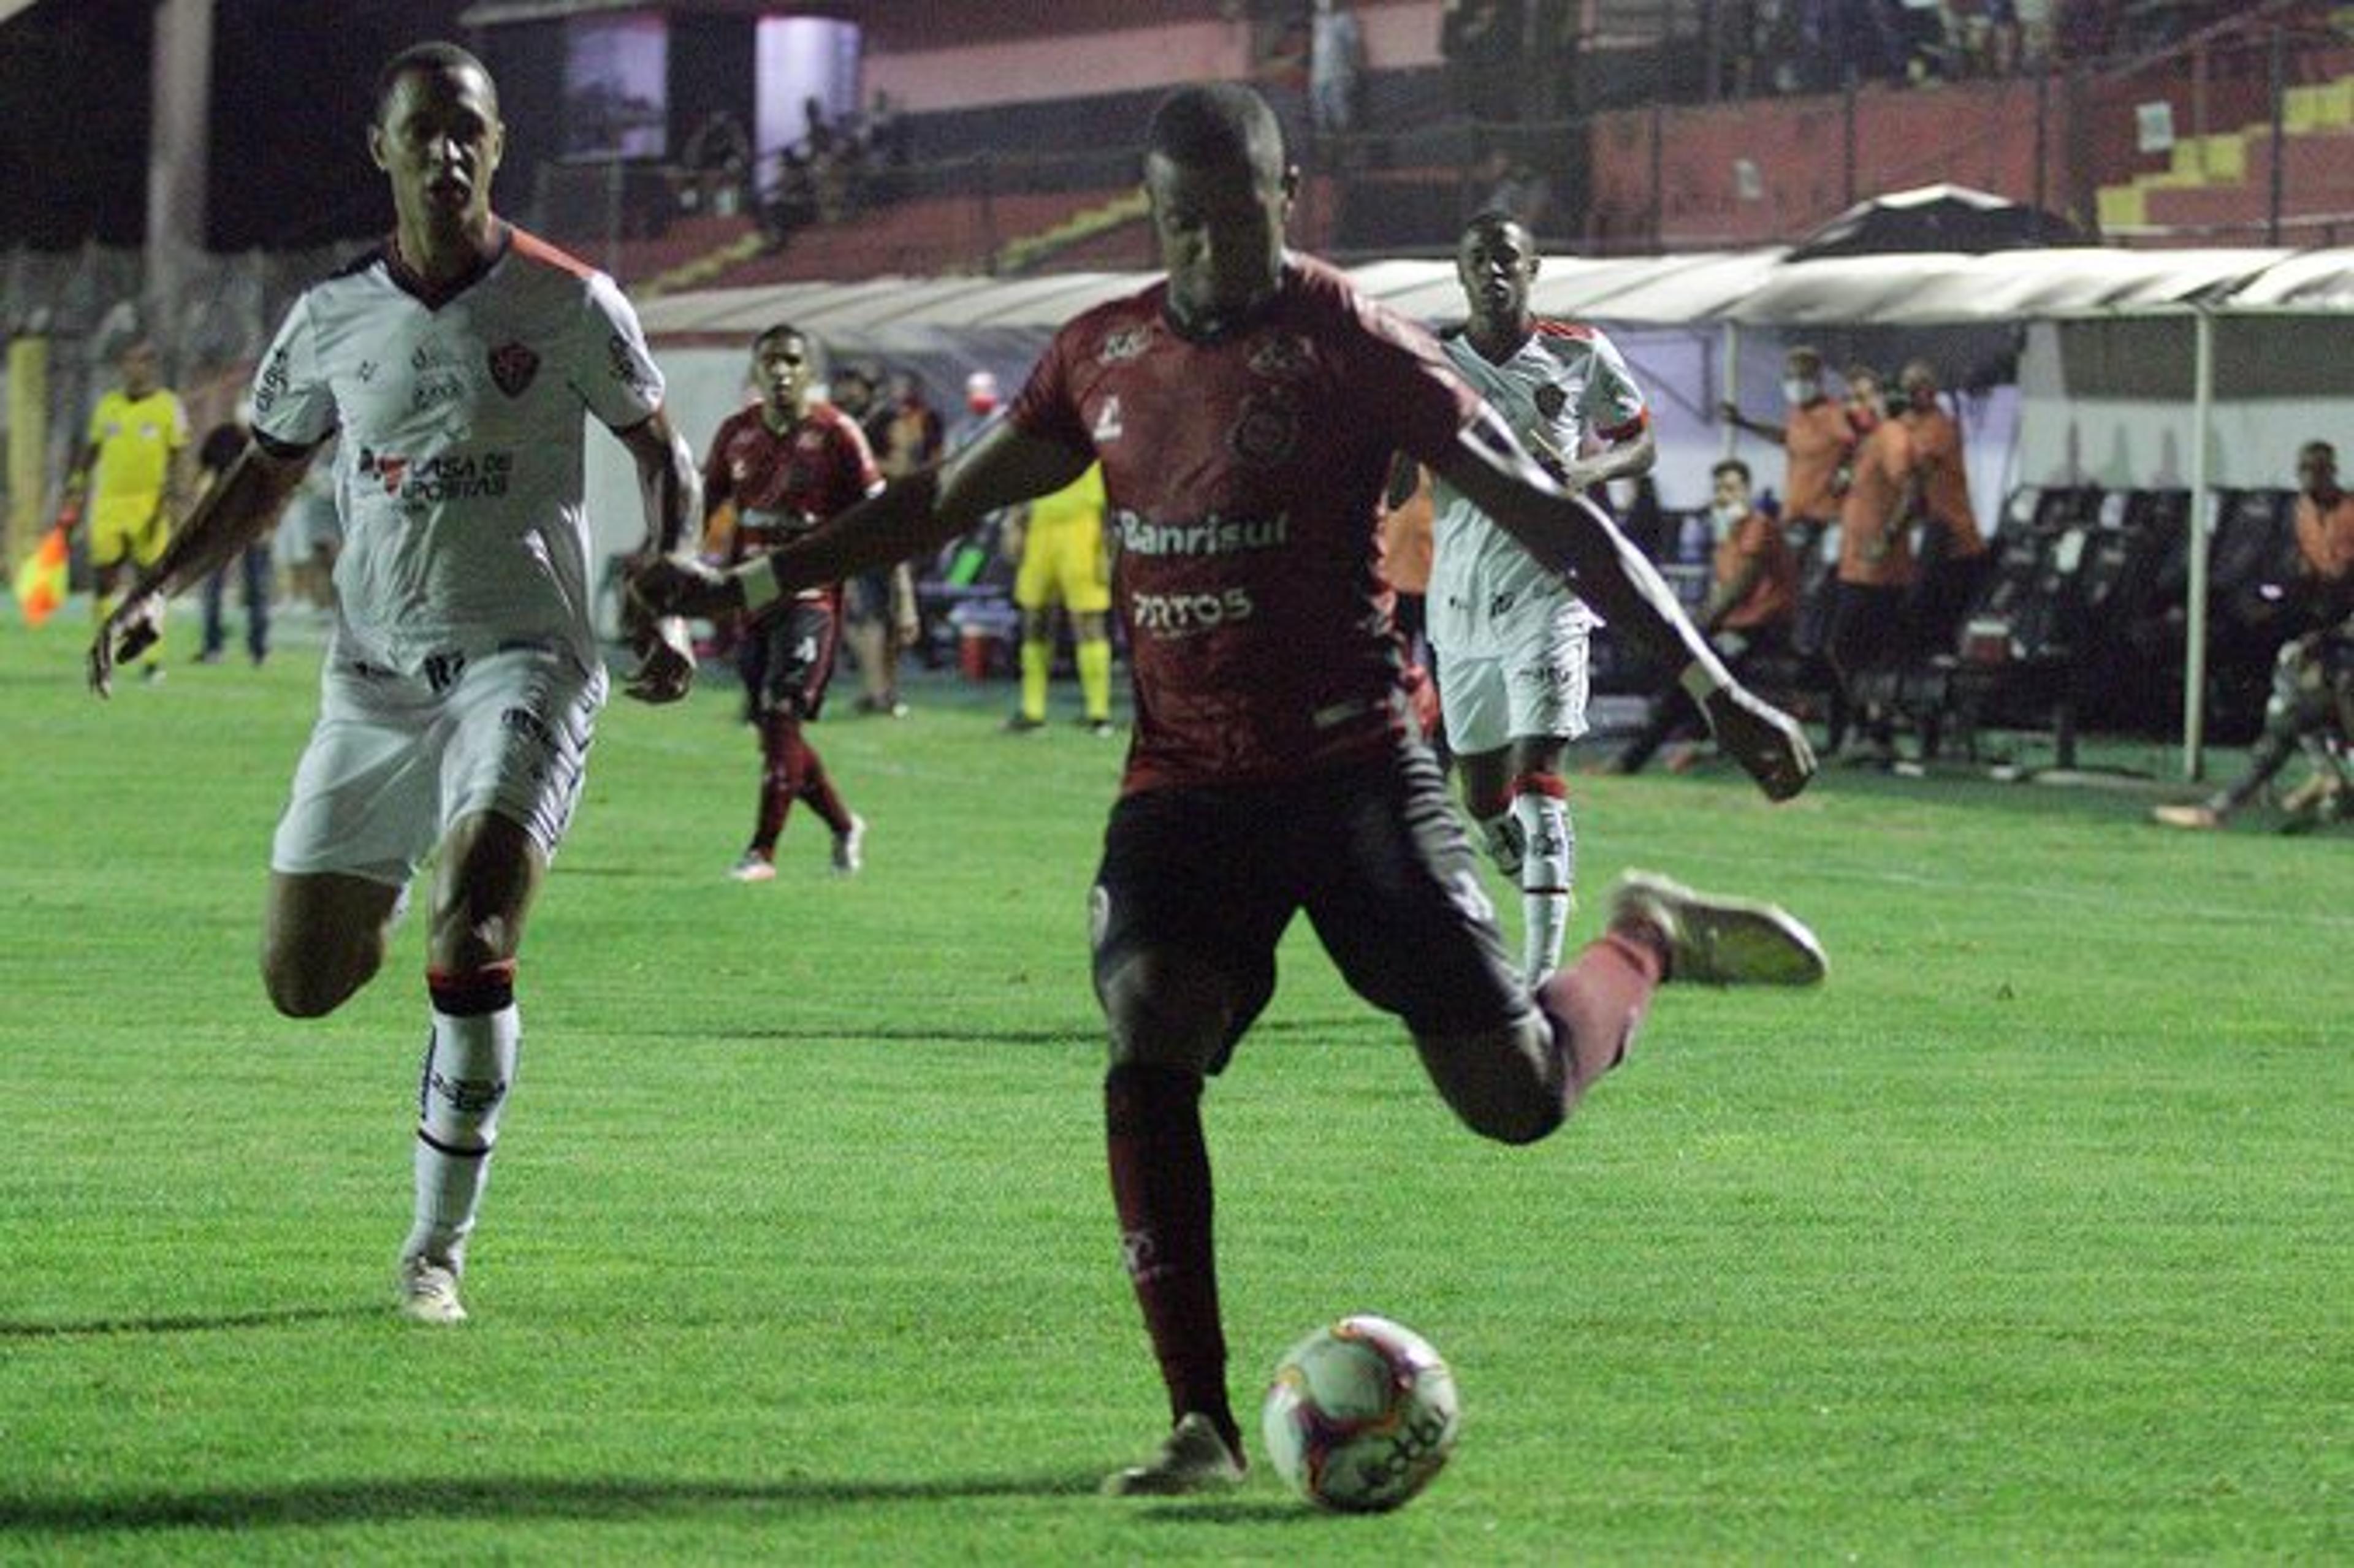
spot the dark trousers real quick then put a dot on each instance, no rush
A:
(253, 564)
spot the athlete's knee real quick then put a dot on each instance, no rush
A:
(1503, 1083)
(1162, 1012)
(310, 980)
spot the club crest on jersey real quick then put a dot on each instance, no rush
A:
(512, 367)
(1286, 359)
(1265, 432)
(1551, 400)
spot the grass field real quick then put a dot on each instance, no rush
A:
(2030, 1238)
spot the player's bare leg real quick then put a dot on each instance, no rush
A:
(323, 936)
(490, 870)
(1168, 1017)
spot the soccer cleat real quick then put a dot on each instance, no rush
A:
(2199, 817)
(1101, 729)
(757, 865)
(151, 674)
(429, 1292)
(1713, 941)
(1192, 1458)
(1022, 724)
(849, 847)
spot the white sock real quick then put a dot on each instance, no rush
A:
(1548, 873)
(1499, 835)
(469, 1068)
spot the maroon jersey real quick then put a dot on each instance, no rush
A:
(784, 485)
(1244, 475)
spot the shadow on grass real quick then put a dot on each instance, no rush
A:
(505, 1498)
(182, 1323)
(1313, 1027)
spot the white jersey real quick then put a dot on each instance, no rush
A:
(1565, 384)
(459, 475)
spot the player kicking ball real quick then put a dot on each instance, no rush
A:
(1245, 411)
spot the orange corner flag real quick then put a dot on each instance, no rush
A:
(41, 580)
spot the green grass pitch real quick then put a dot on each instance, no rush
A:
(2028, 1238)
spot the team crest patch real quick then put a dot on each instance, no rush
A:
(1551, 400)
(512, 367)
(1265, 432)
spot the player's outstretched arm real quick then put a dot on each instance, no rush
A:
(231, 516)
(1569, 535)
(672, 492)
(910, 516)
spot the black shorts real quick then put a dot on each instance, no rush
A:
(1372, 852)
(787, 658)
(1867, 627)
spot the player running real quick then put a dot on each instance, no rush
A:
(783, 463)
(463, 675)
(1512, 637)
(1245, 411)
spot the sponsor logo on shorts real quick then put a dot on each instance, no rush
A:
(512, 367)
(528, 725)
(1501, 604)
(1551, 400)
(1171, 615)
(443, 670)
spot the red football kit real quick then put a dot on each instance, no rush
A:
(784, 485)
(1244, 474)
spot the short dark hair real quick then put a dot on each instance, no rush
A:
(1490, 218)
(1218, 123)
(1730, 465)
(436, 56)
(769, 334)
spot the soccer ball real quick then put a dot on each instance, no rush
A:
(1361, 1415)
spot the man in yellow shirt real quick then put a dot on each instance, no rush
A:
(1065, 560)
(136, 448)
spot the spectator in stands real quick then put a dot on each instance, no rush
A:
(1753, 601)
(2312, 703)
(1866, 401)
(1954, 560)
(1875, 568)
(1336, 68)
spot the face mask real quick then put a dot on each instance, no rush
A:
(1798, 393)
(1726, 516)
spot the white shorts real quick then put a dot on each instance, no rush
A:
(393, 761)
(1536, 688)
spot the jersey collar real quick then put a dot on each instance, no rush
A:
(426, 294)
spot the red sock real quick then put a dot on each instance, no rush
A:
(1160, 1184)
(782, 767)
(817, 789)
(1597, 1004)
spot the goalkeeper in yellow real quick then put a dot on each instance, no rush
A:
(130, 479)
(1066, 559)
